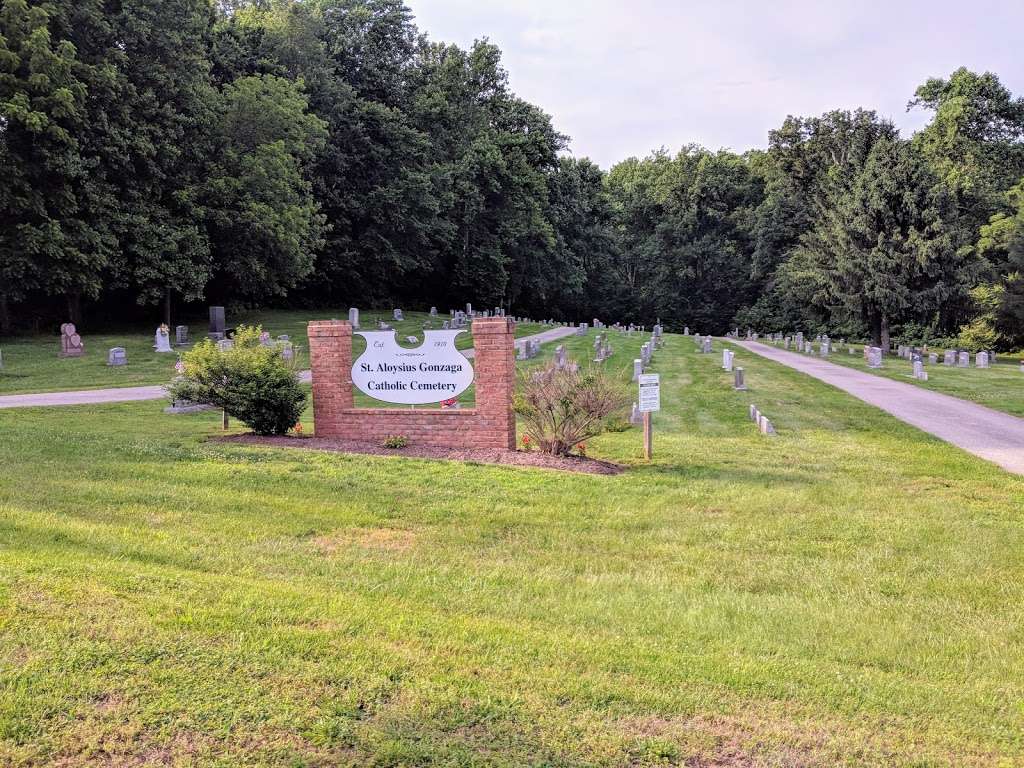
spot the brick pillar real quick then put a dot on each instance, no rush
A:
(494, 362)
(330, 359)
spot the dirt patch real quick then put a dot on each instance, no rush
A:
(478, 455)
(382, 539)
(769, 739)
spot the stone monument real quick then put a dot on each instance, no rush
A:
(70, 342)
(216, 323)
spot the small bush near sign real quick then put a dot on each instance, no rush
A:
(561, 408)
(250, 381)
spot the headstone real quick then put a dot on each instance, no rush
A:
(874, 355)
(919, 372)
(686, 330)
(70, 342)
(162, 339)
(963, 359)
(727, 356)
(225, 344)
(117, 357)
(706, 345)
(635, 417)
(353, 318)
(446, 325)
(560, 356)
(265, 339)
(469, 309)
(433, 311)
(949, 357)
(981, 360)
(638, 369)
(739, 380)
(287, 351)
(216, 323)
(181, 335)
(398, 315)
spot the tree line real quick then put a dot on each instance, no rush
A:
(326, 152)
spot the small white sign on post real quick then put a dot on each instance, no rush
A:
(650, 392)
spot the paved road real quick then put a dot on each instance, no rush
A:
(130, 394)
(997, 437)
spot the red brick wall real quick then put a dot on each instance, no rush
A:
(491, 424)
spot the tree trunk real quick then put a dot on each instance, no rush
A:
(167, 307)
(75, 307)
(886, 346)
(875, 321)
(5, 315)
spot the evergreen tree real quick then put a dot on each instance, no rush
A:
(882, 251)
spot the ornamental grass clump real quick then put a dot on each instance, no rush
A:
(251, 381)
(561, 408)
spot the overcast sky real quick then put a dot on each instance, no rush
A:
(624, 77)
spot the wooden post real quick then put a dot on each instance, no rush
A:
(223, 419)
(648, 436)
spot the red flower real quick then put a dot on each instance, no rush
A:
(297, 429)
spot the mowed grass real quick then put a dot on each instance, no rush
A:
(31, 363)
(846, 593)
(1000, 387)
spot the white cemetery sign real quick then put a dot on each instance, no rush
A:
(650, 392)
(430, 373)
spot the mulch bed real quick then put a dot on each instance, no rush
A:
(482, 456)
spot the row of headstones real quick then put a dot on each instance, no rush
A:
(764, 424)
(959, 358)
(460, 319)
(640, 364)
(647, 350)
(951, 357)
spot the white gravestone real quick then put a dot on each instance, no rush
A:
(162, 340)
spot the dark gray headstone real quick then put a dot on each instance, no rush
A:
(217, 323)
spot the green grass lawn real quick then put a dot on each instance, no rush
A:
(31, 363)
(850, 592)
(1000, 387)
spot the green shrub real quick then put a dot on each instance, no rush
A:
(251, 382)
(396, 441)
(562, 407)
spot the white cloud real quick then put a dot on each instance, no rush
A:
(625, 78)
